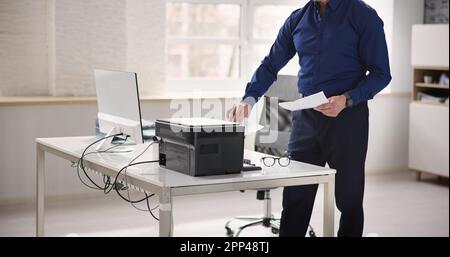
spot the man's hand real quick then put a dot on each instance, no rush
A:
(238, 113)
(334, 106)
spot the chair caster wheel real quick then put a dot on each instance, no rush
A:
(230, 232)
(275, 231)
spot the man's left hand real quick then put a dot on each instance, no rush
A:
(334, 106)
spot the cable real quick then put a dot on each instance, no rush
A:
(139, 155)
(311, 232)
(126, 181)
(118, 174)
(108, 186)
(150, 209)
(80, 163)
(104, 151)
(81, 160)
(124, 170)
(132, 202)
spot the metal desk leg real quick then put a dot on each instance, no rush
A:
(40, 191)
(328, 208)
(165, 214)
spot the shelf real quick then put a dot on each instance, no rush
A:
(436, 68)
(439, 86)
(429, 119)
(433, 104)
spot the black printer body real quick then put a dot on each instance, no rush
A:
(200, 147)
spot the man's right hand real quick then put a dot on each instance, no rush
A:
(239, 112)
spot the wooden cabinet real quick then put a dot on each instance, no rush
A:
(429, 109)
(428, 138)
(429, 45)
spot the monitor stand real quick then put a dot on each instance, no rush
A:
(108, 142)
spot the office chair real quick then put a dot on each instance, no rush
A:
(284, 89)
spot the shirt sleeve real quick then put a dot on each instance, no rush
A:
(281, 52)
(375, 59)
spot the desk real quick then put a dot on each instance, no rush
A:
(168, 184)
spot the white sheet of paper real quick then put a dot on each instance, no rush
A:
(308, 102)
(252, 128)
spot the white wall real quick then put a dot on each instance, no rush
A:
(389, 117)
(385, 9)
(406, 13)
(20, 125)
(388, 134)
(23, 47)
(146, 50)
(50, 47)
(398, 17)
(87, 34)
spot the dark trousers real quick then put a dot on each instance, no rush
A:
(342, 143)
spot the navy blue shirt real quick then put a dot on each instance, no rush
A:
(344, 51)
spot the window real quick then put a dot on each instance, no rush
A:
(203, 40)
(218, 44)
(268, 17)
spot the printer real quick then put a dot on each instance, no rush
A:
(200, 146)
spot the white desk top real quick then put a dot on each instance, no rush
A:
(156, 175)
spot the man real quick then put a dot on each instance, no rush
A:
(342, 52)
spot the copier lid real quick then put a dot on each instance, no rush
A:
(201, 123)
(195, 122)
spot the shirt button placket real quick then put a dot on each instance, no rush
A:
(320, 45)
(319, 50)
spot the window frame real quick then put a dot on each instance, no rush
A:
(244, 41)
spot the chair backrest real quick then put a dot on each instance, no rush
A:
(284, 89)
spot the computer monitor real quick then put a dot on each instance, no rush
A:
(118, 105)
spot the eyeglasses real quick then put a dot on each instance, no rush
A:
(269, 161)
